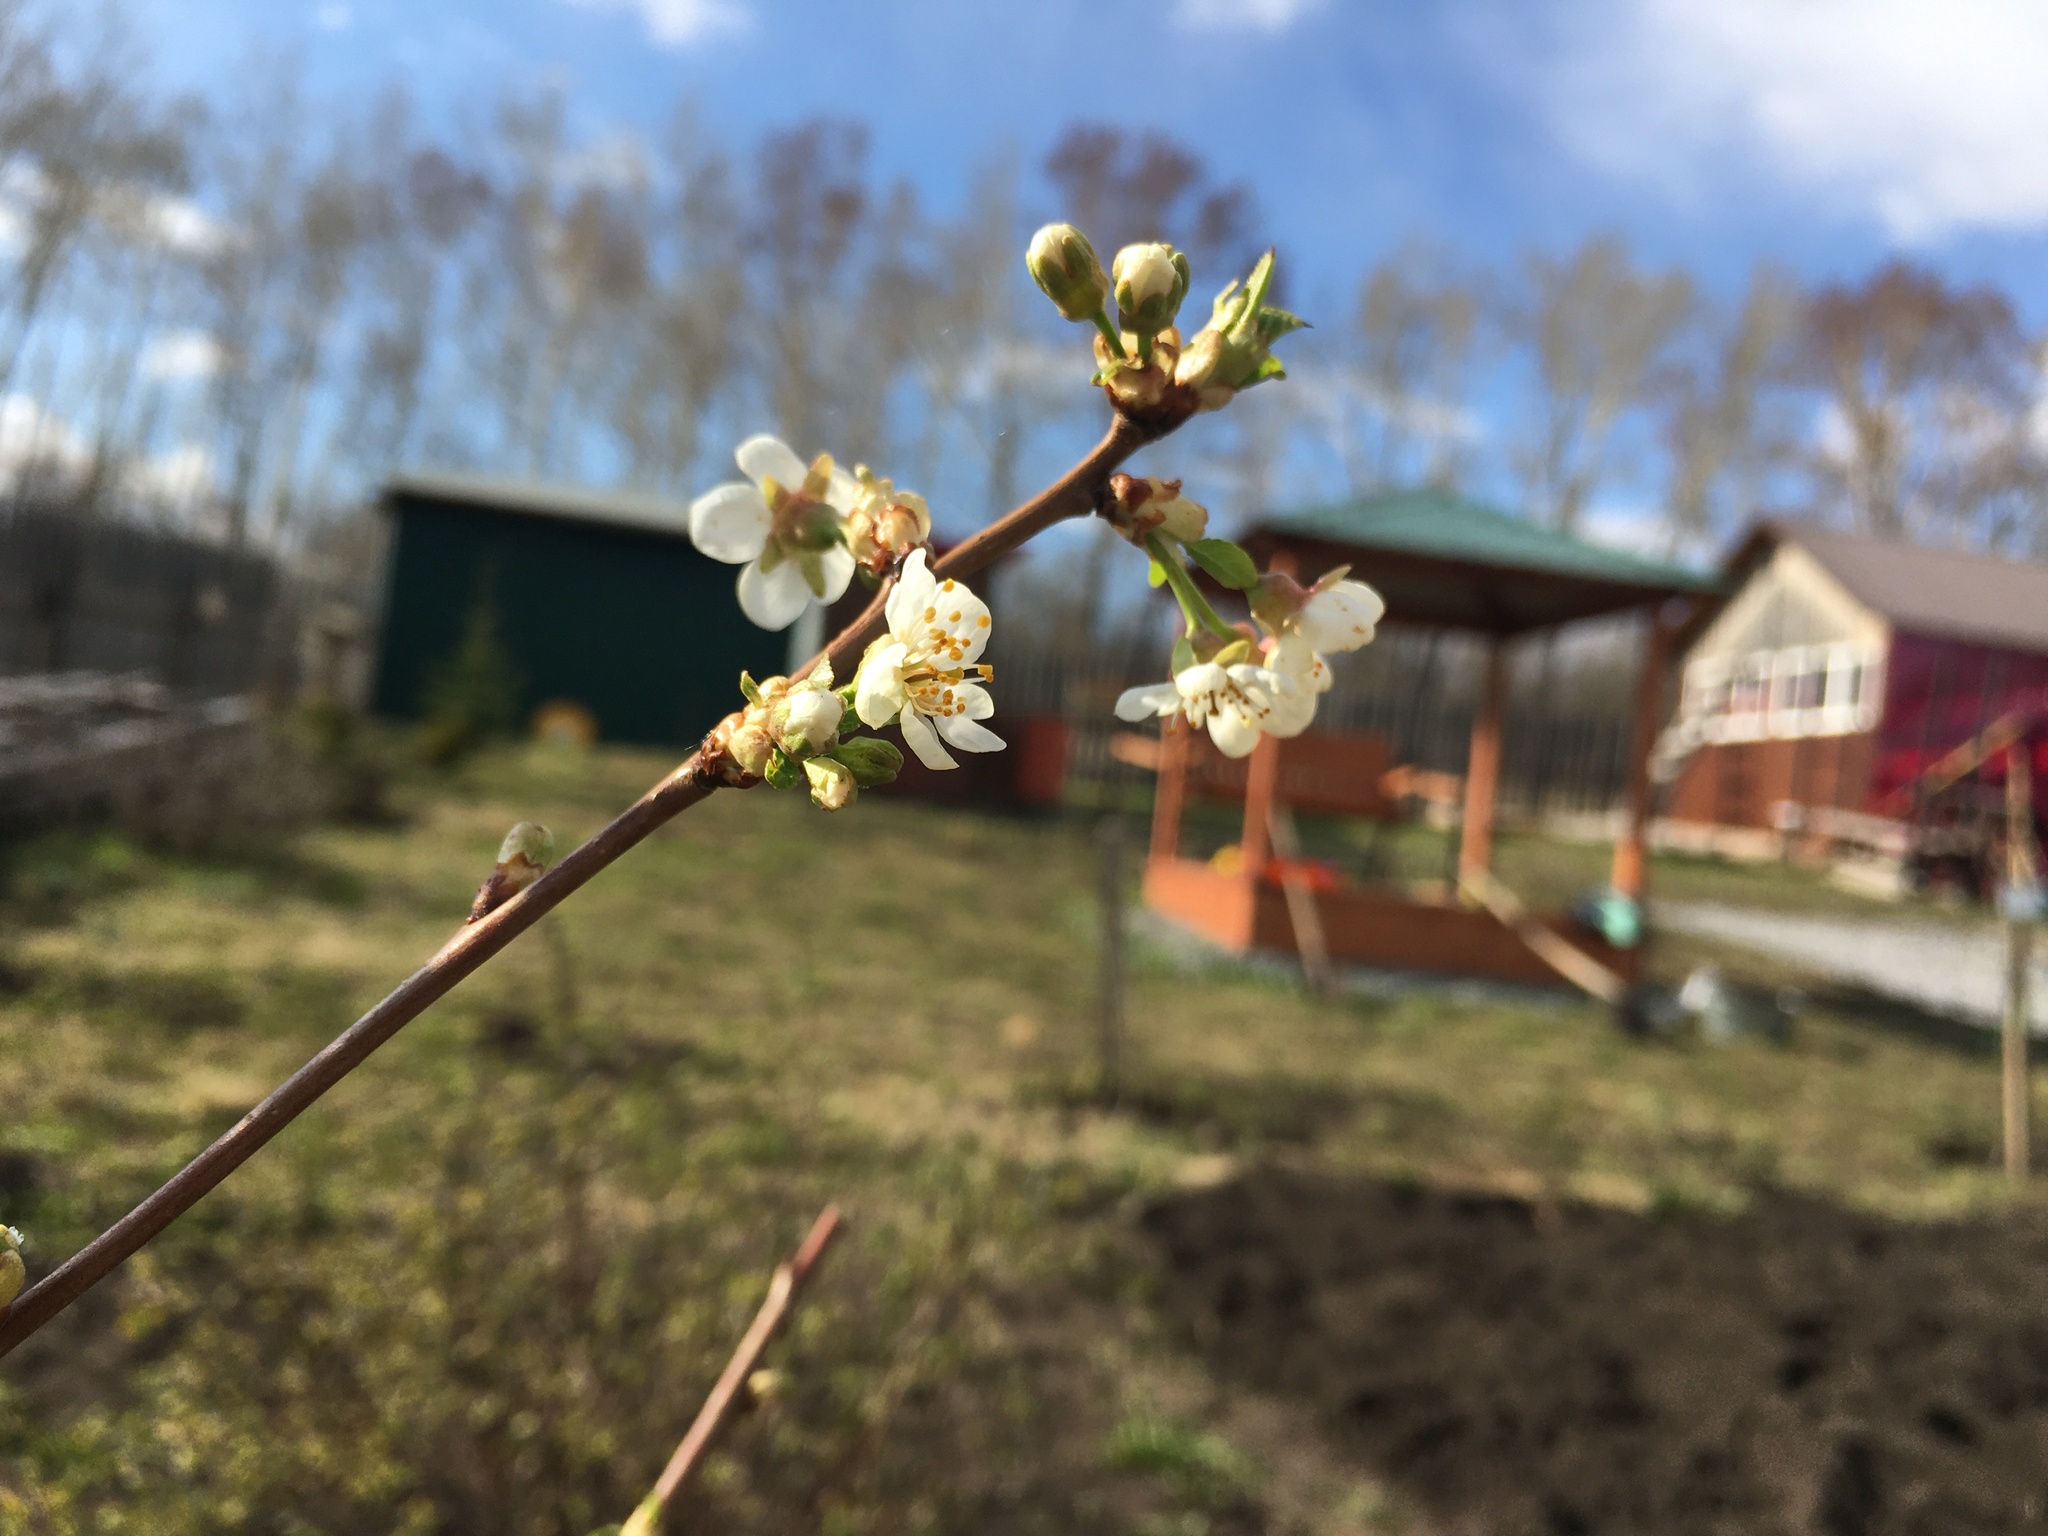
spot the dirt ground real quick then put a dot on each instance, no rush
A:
(1576, 1371)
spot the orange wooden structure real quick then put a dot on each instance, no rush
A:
(1450, 564)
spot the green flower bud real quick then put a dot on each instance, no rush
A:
(528, 841)
(521, 857)
(806, 722)
(749, 745)
(832, 783)
(1064, 266)
(13, 1273)
(870, 759)
(644, 1521)
(1235, 350)
(1151, 280)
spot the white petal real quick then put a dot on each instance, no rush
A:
(974, 701)
(924, 741)
(1233, 732)
(1295, 658)
(773, 601)
(1341, 617)
(911, 596)
(878, 695)
(764, 456)
(958, 626)
(730, 522)
(1290, 707)
(842, 490)
(1146, 701)
(837, 564)
(1201, 681)
(967, 736)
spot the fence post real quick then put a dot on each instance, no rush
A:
(1109, 1022)
(2020, 873)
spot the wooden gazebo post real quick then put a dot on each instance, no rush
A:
(1171, 791)
(1482, 768)
(1631, 865)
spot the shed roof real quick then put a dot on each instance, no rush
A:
(1441, 559)
(618, 509)
(1936, 592)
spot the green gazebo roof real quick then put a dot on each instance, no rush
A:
(1439, 559)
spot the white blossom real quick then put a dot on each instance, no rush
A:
(923, 673)
(786, 523)
(1238, 703)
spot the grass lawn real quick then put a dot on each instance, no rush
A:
(483, 1286)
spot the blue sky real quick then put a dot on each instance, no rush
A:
(1823, 135)
(1819, 133)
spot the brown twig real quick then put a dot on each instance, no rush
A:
(782, 1288)
(1079, 492)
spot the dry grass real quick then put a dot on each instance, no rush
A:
(482, 1287)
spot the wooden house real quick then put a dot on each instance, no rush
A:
(1839, 670)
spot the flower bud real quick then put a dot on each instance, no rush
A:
(1151, 280)
(1064, 266)
(1275, 600)
(870, 760)
(1134, 385)
(832, 784)
(13, 1273)
(806, 722)
(748, 744)
(521, 857)
(1140, 505)
(1234, 351)
(886, 524)
(764, 1386)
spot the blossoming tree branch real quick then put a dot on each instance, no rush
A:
(803, 531)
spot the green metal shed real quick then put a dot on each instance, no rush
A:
(596, 597)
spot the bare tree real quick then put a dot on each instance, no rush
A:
(1405, 417)
(1924, 390)
(1721, 441)
(1599, 333)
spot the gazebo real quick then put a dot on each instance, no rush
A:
(1447, 563)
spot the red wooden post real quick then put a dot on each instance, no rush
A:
(1482, 767)
(1262, 779)
(1173, 783)
(1631, 865)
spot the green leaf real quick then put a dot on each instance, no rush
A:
(782, 773)
(1224, 561)
(1183, 655)
(1156, 576)
(1269, 368)
(821, 674)
(750, 689)
(1275, 323)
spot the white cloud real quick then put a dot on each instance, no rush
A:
(176, 481)
(31, 439)
(678, 23)
(179, 355)
(335, 16)
(615, 161)
(1243, 15)
(1927, 114)
(185, 227)
(1636, 530)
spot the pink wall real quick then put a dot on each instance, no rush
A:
(1948, 690)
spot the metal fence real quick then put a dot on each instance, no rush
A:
(85, 593)
(1566, 731)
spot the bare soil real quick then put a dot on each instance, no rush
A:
(1580, 1371)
